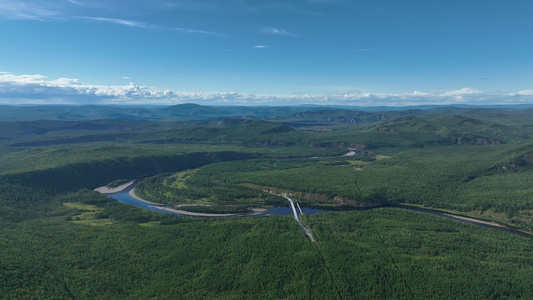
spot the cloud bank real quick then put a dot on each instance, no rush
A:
(39, 89)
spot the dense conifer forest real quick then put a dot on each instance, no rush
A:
(63, 240)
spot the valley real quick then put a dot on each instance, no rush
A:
(63, 240)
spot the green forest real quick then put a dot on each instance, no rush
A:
(63, 240)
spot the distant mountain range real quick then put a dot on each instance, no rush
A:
(195, 112)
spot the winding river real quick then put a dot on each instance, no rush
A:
(125, 195)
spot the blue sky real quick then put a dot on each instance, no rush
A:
(266, 52)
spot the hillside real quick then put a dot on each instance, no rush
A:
(63, 240)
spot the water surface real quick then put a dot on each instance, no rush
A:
(124, 197)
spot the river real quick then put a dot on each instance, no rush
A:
(478, 222)
(124, 196)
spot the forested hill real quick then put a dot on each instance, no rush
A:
(331, 128)
(182, 111)
(62, 240)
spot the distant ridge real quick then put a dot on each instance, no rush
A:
(196, 112)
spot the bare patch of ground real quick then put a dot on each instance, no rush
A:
(120, 188)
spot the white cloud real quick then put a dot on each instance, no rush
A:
(526, 93)
(419, 94)
(261, 46)
(119, 21)
(44, 10)
(39, 89)
(464, 95)
(190, 30)
(276, 31)
(75, 2)
(132, 23)
(21, 79)
(461, 92)
(28, 10)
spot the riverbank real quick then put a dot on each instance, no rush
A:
(105, 190)
(196, 214)
(182, 212)
(475, 220)
(480, 222)
(159, 206)
(454, 215)
(133, 195)
(165, 208)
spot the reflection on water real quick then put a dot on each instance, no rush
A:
(125, 197)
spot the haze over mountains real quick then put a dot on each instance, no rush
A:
(193, 111)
